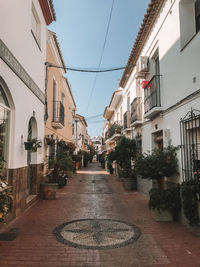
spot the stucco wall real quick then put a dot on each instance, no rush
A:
(17, 36)
(57, 74)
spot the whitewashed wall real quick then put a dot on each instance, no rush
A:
(17, 36)
(179, 67)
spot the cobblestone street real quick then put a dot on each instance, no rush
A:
(120, 231)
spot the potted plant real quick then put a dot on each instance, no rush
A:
(190, 194)
(165, 205)
(157, 165)
(49, 140)
(5, 199)
(5, 192)
(129, 179)
(77, 158)
(33, 144)
(56, 177)
(124, 154)
(110, 167)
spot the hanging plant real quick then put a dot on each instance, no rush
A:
(33, 144)
(49, 140)
(62, 144)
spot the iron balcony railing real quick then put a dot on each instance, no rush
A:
(190, 145)
(115, 128)
(136, 110)
(126, 123)
(58, 112)
(152, 94)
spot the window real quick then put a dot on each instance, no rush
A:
(72, 128)
(4, 128)
(189, 11)
(62, 98)
(197, 15)
(55, 104)
(190, 144)
(128, 103)
(35, 26)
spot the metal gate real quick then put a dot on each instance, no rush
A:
(190, 145)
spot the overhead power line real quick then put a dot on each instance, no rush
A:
(102, 52)
(98, 121)
(90, 70)
(93, 117)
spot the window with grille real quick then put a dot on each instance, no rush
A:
(190, 144)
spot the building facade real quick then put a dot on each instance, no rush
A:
(60, 102)
(80, 136)
(22, 90)
(161, 84)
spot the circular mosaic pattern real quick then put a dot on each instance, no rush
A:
(97, 233)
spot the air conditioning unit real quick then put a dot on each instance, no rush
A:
(142, 64)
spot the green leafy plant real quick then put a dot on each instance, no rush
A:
(190, 193)
(49, 140)
(124, 153)
(168, 199)
(158, 164)
(77, 157)
(58, 173)
(86, 158)
(5, 192)
(33, 144)
(5, 199)
(102, 159)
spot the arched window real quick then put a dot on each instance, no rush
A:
(4, 130)
(3, 98)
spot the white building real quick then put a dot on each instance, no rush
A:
(97, 143)
(79, 132)
(22, 89)
(161, 84)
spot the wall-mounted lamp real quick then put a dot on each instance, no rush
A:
(22, 139)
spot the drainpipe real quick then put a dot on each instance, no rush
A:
(47, 65)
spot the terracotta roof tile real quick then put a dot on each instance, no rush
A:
(150, 16)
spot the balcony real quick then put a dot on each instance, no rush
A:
(126, 124)
(136, 112)
(152, 103)
(114, 132)
(58, 115)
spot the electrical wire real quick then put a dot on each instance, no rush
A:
(93, 117)
(102, 52)
(98, 121)
(90, 70)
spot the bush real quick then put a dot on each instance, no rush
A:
(124, 153)
(190, 193)
(158, 164)
(102, 160)
(166, 199)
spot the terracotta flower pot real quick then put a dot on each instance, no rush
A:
(162, 215)
(130, 183)
(48, 190)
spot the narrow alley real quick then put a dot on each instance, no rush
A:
(95, 222)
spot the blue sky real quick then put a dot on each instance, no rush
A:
(81, 27)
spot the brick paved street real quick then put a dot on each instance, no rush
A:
(94, 194)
